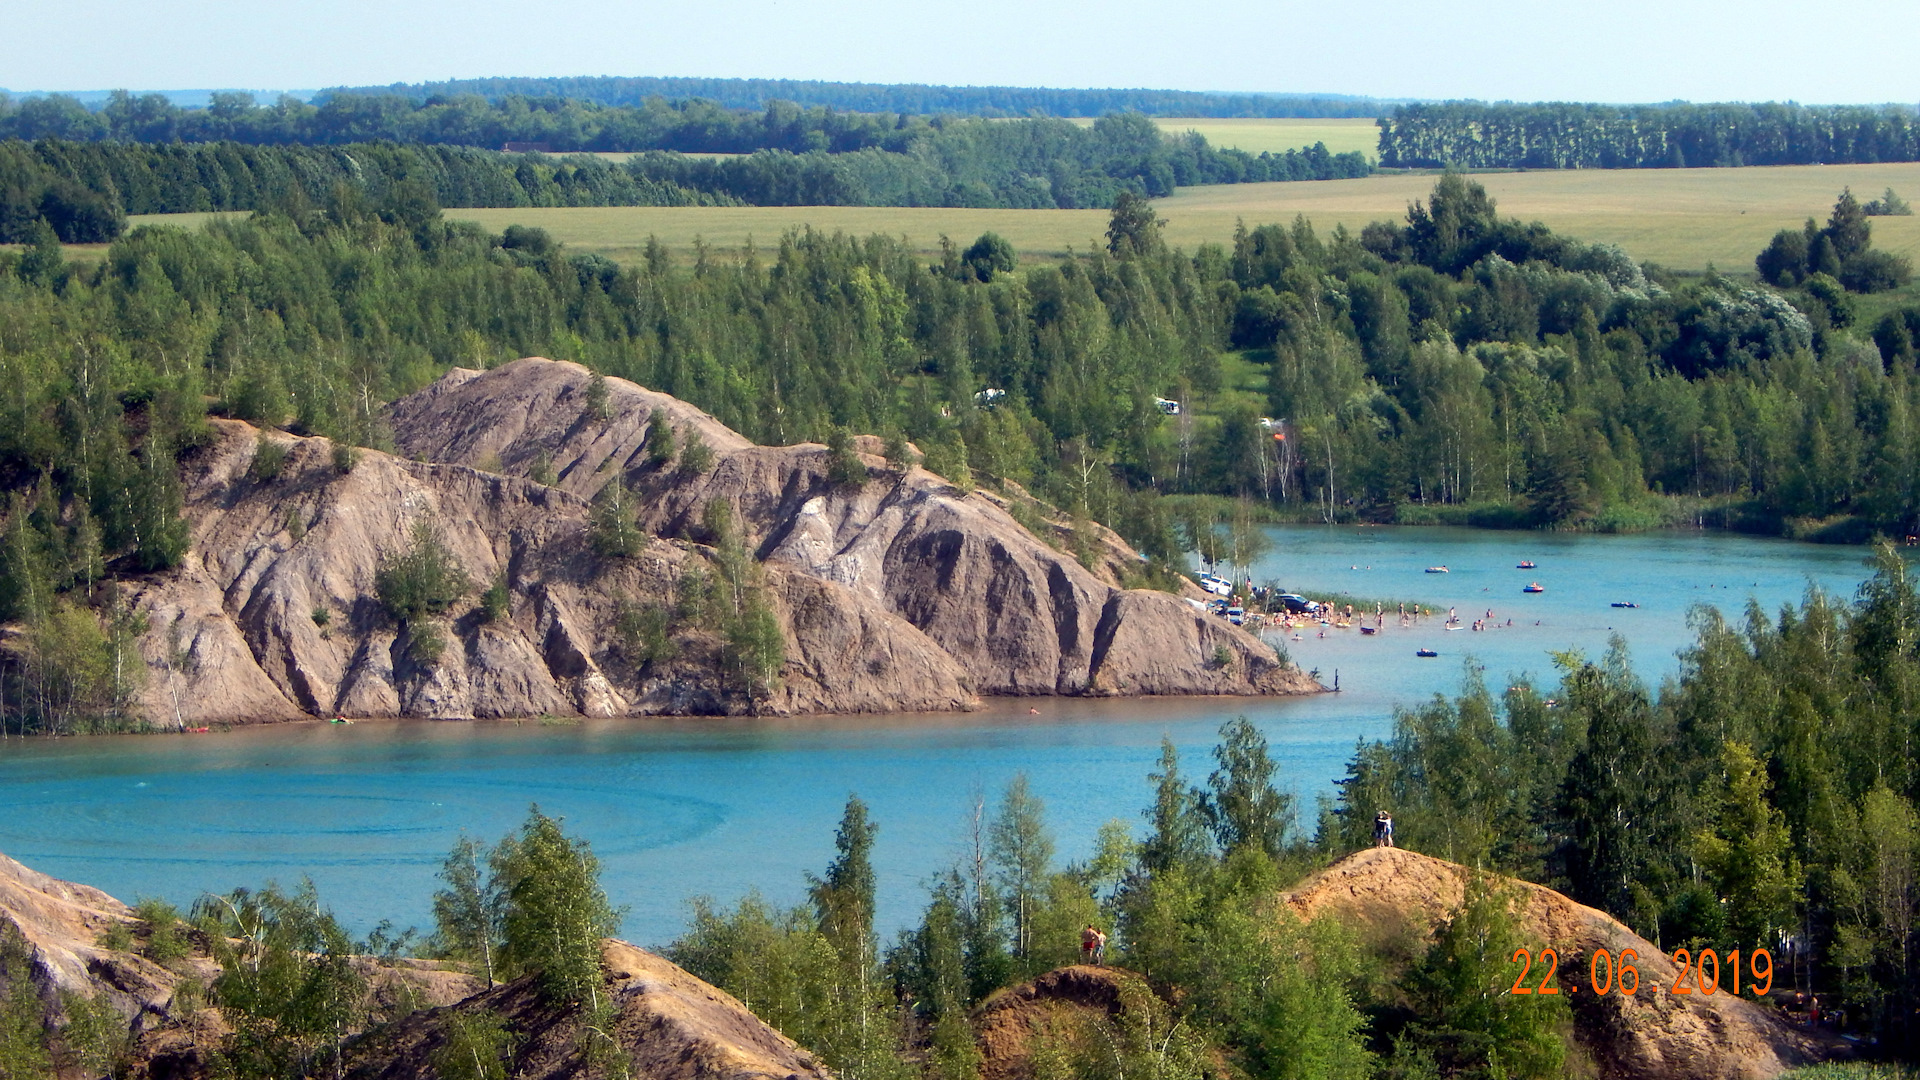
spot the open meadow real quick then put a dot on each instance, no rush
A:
(1680, 218)
(1255, 134)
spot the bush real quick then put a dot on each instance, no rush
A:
(615, 532)
(422, 580)
(269, 458)
(166, 937)
(345, 457)
(696, 456)
(843, 465)
(660, 446)
(426, 642)
(496, 602)
(1876, 271)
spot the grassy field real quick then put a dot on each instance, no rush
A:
(1681, 218)
(1255, 135)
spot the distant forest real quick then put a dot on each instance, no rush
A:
(84, 189)
(915, 98)
(1558, 135)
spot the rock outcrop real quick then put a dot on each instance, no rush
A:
(899, 593)
(1650, 1035)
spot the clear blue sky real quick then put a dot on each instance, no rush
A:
(1605, 50)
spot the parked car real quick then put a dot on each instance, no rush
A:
(1218, 586)
(1296, 604)
(1237, 615)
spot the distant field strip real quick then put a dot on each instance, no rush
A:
(1256, 135)
(1681, 218)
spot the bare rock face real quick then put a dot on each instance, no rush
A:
(669, 1025)
(900, 593)
(1650, 1035)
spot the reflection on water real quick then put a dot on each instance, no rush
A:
(677, 808)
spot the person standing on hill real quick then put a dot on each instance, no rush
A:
(1090, 941)
(1383, 830)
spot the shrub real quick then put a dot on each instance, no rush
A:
(345, 457)
(615, 532)
(599, 401)
(426, 642)
(166, 938)
(843, 465)
(542, 471)
(497, 601)
(660, 446)
(422, 580)
(696, 456)
(269, 459)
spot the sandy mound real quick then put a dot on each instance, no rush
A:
(671, 1025)
(1652, 1035)
(1006, 1024)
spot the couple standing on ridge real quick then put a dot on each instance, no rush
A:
(1093, 946)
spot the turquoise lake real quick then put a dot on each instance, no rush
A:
(682, 808)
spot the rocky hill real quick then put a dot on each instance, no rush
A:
(668, 1024)
(1651, 1035)
(898, 592)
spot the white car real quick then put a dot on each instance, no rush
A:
(1218, 586)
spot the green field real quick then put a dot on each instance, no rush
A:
(1256, 135)
(1681, 218)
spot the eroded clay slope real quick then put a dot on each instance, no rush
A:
(1018, 616)
(274, 614)
(1651, 1035)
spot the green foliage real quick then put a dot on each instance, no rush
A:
(288, 986)
(421, 581)
(497, 602)
(555, 912)
(843, 901)
(1888, 205)
(98, 1039)
(23, 1041)
(696, 457)
(1465, 1018)
(1747, 854)
(167, 938)
(660, 443)
(1241, 804)
(1022, 848)
(269, 457)
(989, 255)
(843, 465)
(1133, 228)
(469, 912)
(613, 524)
(599, 405)
(645, 632)
(477, 1047)
(345, 457)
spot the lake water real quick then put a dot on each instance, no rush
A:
(681, 808)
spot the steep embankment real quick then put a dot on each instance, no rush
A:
(1651, 1035)
(898, 593)
(668, 1025)
(1007, 1025)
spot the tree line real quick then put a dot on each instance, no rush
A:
(1564, 135)
(911, 98)
(82, 188)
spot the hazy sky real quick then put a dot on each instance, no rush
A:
(1604, 50)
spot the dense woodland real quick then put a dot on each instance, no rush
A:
(83, 188)
(1459, 367)
(1562, 135)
